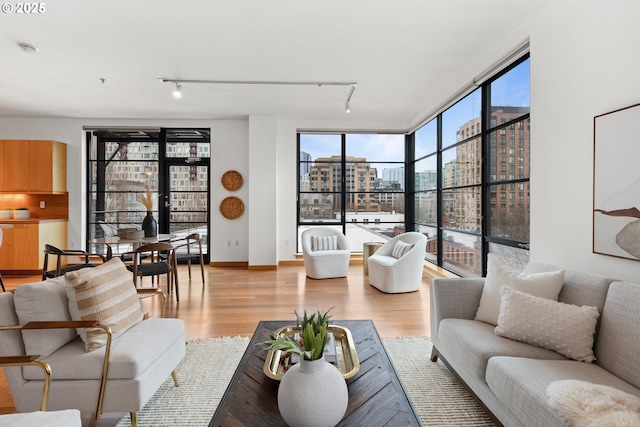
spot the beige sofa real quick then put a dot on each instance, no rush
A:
(510, 378)
(139, 360)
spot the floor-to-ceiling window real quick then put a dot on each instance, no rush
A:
(172, 164)
(470, 167)
(354, 182)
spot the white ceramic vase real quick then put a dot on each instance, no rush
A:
(313, 393)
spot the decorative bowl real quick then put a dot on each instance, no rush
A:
(21, 214)
(123, 232)
(6, 213)
(135, 234)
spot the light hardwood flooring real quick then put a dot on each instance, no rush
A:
(233, 300)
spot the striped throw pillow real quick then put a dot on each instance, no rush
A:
(106, 294)
(400, 249)
(324, 243)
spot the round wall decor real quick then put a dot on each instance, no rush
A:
(232, 180)
(232, 208)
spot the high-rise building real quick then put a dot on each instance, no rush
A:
(326, 175)
(394, 175)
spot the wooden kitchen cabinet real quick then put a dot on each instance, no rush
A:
(6, 251)
(25, 247)
(33, 166)
(23, 244)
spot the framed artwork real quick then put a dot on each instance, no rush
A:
(616, 183)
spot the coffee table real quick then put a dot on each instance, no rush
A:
(376, 395)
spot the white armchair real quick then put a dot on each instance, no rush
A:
(119, 376)
(326, 253)
(397, 266)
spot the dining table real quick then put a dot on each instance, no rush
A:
(135, 242)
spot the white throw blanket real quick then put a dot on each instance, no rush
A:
(583, 404)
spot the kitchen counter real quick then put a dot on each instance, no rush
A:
(31, 220)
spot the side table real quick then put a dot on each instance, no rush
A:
(368, 249)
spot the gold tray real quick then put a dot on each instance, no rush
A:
(347, 358)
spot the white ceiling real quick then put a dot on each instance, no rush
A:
(407, 56)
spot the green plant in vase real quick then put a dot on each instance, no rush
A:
(313, 337)
(312, 392)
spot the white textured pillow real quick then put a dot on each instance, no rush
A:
(564, 328)
(400, 249)
(324, 243)
(106, 294)
(545, 285)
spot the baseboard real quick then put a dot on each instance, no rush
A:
(291, 263)
(10, 273)
(241, 264)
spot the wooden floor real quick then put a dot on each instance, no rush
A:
(233, 301)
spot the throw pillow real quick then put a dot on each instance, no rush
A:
(106, 294)
(400, 249)
(324, 243)
(564, 328)
(44, 301)
(545, 285)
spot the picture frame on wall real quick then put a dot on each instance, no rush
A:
(616, 183)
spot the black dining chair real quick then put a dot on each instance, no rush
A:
(189, 249)
(154, 260)
(1, 282)
(60, 254)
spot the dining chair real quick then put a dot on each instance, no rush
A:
(186, 250)
(1, 282)
(50, 250)
(155, 260)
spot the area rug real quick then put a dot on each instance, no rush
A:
(437, 396)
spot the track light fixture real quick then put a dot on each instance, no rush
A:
(179, 82)
(347, 106)
(177, 93)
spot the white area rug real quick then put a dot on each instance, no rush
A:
(437, 396)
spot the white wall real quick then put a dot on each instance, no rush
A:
(263, 163)
(584, 62)
(230, 147)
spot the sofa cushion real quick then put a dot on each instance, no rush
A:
(324, 243)
(44, 301)
(470, 344)
(545, 285)
(107, 294)
(131, 353)
(385, 260)
(565, 328)
(400, 249)
(618, 341)
(521, 384)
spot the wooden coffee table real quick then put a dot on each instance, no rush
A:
(376, 395)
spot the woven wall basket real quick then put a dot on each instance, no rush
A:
(232, 208)
(232, 180)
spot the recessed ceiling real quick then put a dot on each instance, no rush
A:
(105, 59)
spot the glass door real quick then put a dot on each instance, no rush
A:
(184, 188)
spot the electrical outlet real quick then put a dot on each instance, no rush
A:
(236, 243)
(42, 204)
(228, 242)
